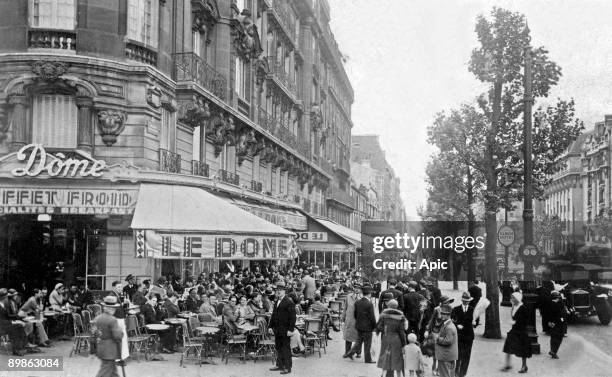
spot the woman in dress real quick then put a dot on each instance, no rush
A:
(392, 325)
(517, 341)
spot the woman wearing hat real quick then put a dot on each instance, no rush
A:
(517, 341)
(433, 330)
(392, 325)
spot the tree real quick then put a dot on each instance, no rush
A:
(498, 61)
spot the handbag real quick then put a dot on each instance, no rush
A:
(428, 347)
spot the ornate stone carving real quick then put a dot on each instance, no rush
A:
(262, 69)
(268, 154)
(111, 123)
(154, 96)
(325, 134)
(49, 70)
(245, 145)
(246, 36)
(223, 132)
(316, 117)
(195, 113)
(4, 123)
(280, 162)
(205, 16)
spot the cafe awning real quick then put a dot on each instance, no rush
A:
(287, 218)
(348, 234)
(173, 208)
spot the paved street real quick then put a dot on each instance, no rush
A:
(586, 348)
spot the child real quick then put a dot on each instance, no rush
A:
(413, 358)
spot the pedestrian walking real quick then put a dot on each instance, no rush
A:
(350, 333)
(397, 295)
(433, 331)
(446, 345)
(392, 326)
(365, 323)
(414, 363)
(463, 317)
(282, 323)
(557, 325)
(517, 341)
(109, 334)
(412, 303)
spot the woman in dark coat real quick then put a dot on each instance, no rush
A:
(517, 341)
(392, 324)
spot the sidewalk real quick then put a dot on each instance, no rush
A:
(577, 356)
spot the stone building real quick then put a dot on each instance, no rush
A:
(125, 124)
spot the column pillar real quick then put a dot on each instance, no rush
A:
(85, 134)
(306, 78)
(22, 131)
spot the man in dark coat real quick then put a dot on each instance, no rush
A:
(365, 322)
(463, 316)
(282, 323)
(412, 307)
(476, 293)
(16, 332)
(153, 315)
(557, 325)
(397, 295)
(106, 329)
(131, 287)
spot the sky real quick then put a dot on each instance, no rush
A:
(407, 60)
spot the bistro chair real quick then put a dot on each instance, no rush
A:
(86, 315)
(335, 308)
(82, 339)
(314, 335)
(194, 323)
(95, 309)
(136, 341)
(190, 346)
(206, 317)
(265, 343)
(233, 342)
(4, 342)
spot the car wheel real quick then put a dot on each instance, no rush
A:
(604, 311)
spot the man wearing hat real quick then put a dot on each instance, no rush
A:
(397, 294)
(15, 331)
(131, 287)
(365, 323)
(108, 333)
(446, 344)
(350, 333)
(556, 324)
(282, 323)
(412, 307)
(463, 318)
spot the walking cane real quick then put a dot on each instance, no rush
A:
(121, 361)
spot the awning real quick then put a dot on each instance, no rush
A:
(175, 208)
(344, 232)
(287, 218)
(179, 222)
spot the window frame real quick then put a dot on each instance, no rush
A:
(135, 30)
(56, 12)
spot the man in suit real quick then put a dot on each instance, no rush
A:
(365, 322)
(463, 316)
(412, 307)
(476, 293)
(108, 333)
(15, 331)
(282, 323)
(131, 287)
(397, 294)
(309, 285)
(153, 315)
(446, 344)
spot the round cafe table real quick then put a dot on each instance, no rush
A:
(157, 328)
(210, 333)
(210, 324)
(186, 315)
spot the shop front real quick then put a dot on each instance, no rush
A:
(328, 245)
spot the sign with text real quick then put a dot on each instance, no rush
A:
(505, 235)
(285, 219)
(312, 236)
(37, 160)
(21, 200)
(211, 246)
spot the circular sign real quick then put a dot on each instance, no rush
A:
(505, 235)
(530, 251)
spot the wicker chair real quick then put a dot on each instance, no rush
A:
(265, 343)
(190, 346)
(95, 309)
(136, 342)
(82, 339)
(315, 335)
(233, 342)
(86, 315)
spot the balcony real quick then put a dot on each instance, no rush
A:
(256, 186)
(55, 39)
(190, 67)
(306, 204)
(277, 69)
(340, 196)
(229, 177)
(169, 162)
(326, 166)
(199, 168)
(140, 53)
(304, 149)
(281, 11)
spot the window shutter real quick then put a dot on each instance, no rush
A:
(54, 121)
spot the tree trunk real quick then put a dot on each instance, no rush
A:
(471, 271)
(492, 325)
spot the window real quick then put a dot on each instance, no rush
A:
(196, 144)
(228, 159)
(53, 14)
(54, 121)
(243, 79)
(143, 21)
(167, 136)
(197, 43)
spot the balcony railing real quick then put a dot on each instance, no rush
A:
(340, 196)
(282, 12)
(199, 168)
(229, 177)
(277, 69)
(270, 124)
(140, 53)
(169, 161)
(256, 186)
(190, 67)
(326, 166)
(57, 39)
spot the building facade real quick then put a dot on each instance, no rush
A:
(244, 99)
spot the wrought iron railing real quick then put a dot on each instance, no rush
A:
(56, 39)
(326, 166)
(190, 67)
(229, 177)
(256, 186)
(199, 168)
(140, 53)
(340, 196)
(282, 11)
(277, 68)
(169, 161)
